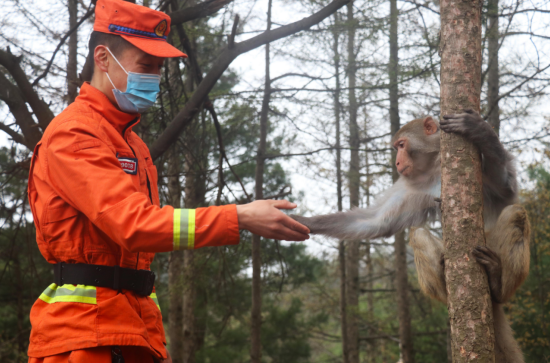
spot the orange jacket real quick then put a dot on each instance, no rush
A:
(94, 197)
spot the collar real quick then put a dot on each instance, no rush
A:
(97, 101)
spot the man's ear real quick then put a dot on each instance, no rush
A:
(100, 58)
(430, 127)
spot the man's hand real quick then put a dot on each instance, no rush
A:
(264, 218)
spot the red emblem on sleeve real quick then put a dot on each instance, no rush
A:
(129, 165)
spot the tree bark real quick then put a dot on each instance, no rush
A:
(371, 345)
(256, 318)
(493, 74)
(402, 297)
(341, 244)
(352, 250)
(401, 282)
(195, 191)
(189, 334)
(468, 298)
(72, 76)
(175, 269)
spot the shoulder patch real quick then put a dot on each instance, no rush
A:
(129, 165)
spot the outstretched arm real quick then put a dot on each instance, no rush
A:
(263, 217)
(399, 208)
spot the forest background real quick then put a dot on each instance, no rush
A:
(306, 114)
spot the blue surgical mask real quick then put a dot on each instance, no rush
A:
(141, 91)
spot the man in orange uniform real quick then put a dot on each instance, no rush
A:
(94, 198)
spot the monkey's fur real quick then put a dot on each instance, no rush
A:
(509, 240)
(411, 202)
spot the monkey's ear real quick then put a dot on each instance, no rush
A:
(430, 127)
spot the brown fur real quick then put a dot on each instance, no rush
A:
(412, 201)
(510, 240)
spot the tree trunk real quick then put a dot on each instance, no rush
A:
(371, 345)
(449, 347)
(195, 191)
(402, 297)
(352, 250)
(189, 291)
(175, 269)
(469, 301)
(401, 283)
(341, 244)
(256, 318)
(72, 75)
(493, 76)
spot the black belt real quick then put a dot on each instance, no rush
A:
(114, 277)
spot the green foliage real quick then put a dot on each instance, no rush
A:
(529, 311)
(24, 273)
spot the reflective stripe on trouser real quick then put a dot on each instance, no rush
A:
(69, 293)
(155, 299)
(79, 293)
(184, 229)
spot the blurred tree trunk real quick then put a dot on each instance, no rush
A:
(256, 316)
(493, 75)
(72, 75)
(371, 344)
(195, 191)
(20, 306)
(352, 250)
(469, 301)
(175, 268)
(449, 346)
(341, 244)
(401, 282)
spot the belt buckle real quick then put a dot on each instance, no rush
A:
(146, 288)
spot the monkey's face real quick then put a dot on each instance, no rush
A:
(417, 145)
(403, 161)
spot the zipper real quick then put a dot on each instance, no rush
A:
(133, 122)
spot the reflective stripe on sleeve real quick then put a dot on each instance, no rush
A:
(155, 299)
(184, 229)
(69, 293)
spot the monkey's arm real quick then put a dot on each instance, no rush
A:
(428, 258)
(399, 208)
(499, 173)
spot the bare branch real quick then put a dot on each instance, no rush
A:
(41, 109)
(62, 41)
(201, 10)
(197, 75)
(18, 138)
(11, 95)
(525, 33)
(231, 40)
(184, 117)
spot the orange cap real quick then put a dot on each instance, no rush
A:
(145, 28)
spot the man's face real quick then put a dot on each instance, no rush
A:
(133, 60)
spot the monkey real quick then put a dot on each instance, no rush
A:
(413, 201)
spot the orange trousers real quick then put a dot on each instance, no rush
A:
(98, 355)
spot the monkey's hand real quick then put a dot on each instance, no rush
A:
(493, 266)
(306, 221)
(337, 225)
(464, 124)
